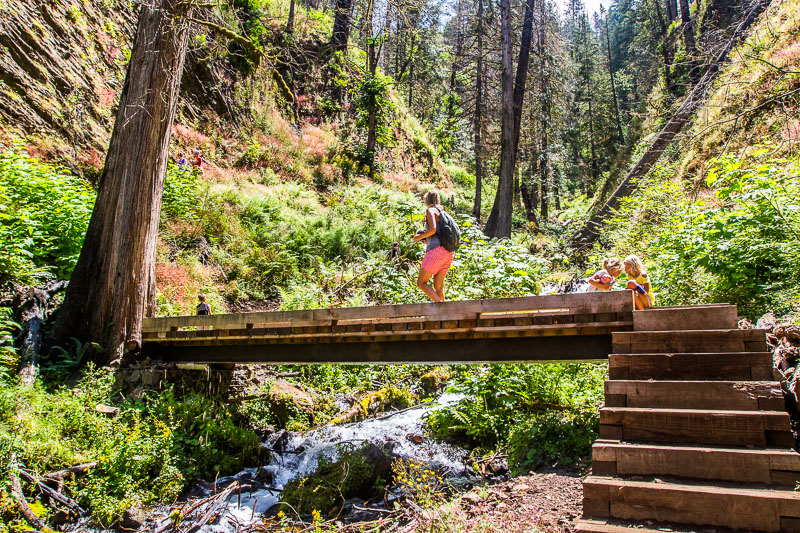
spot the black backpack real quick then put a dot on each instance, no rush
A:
(448, 232)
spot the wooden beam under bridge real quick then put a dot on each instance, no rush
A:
(566, 327)
(572, 348)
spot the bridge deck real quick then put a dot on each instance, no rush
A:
(537, 328)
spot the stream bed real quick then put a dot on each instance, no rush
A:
(297, 455)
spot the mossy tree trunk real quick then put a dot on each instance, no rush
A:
(113, 285)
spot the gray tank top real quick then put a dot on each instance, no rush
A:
(433, 240)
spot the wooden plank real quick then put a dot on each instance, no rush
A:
(733, 507)
(695, 426)
(418, 350)
(770, 466)
(688, 317)
(725, 395)
(732, 340)
(296, 336)
(615, 301)
(747, 366)
(601, 526)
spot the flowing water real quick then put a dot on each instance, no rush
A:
(308, 448)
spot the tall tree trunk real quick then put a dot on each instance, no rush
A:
(478, 125)
(522, 68)
(666, 50)
(341, 25)
(499, 223)
(592, 148)
(672, 10)
(688, 39)
(589, 233)
(113, 285)
(372, 120)
(544, 90)
(290, 20)
(613, 84)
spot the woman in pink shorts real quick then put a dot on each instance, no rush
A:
(437, 259)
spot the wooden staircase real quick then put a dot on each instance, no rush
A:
(693, 432)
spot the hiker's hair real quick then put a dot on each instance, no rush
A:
(636, 266)
(201, 297)
(612, 263)
(396, 244)
(431, 198)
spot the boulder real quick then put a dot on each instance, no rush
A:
(356, 472)
(133, 518)
(286, 401)
(434, 380)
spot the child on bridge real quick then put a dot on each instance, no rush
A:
(603, 280)
(639, 283)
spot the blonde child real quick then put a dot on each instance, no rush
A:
(603, 280)
(639, 283)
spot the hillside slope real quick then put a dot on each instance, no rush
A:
(718, 218)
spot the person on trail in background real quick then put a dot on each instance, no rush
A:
(639, 283)
(394, 252)
(182, 163)
(604, 279)
(437, 258)
(198, 161)
(203, 308)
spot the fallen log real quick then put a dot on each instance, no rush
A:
(589, 233)
(77, 470)
(66, 501)
(25, 509)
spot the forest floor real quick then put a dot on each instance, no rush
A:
(547, 501)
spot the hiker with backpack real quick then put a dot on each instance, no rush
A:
(442, 238)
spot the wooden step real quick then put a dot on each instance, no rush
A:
(695, 426)
(770, 466)
(726, 395)
(588, 525)
(721, 316)
(745, 366)
(754, 509)
(720, 340)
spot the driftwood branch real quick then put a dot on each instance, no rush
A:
(586, 236)
(25, 509)
(77, 470)
(66, 501)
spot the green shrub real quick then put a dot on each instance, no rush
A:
(550, 437)
(44, 213)
(500, 397)
(739, 245)
(8, 354)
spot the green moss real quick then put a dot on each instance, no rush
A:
(352, 474)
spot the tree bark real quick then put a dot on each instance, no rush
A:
(499, 223)
(672, 10)
(290, 20)
(613, 82)
(372, 58)
(688, 39)
(666, 50)
(113, 285)
(478, 125)
(341, 25)
(589, 233)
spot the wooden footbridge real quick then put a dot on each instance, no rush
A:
(693, 432)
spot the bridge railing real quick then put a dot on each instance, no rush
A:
(595, 308)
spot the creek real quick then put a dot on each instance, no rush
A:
(402, 431)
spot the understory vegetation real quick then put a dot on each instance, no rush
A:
(147, 451)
